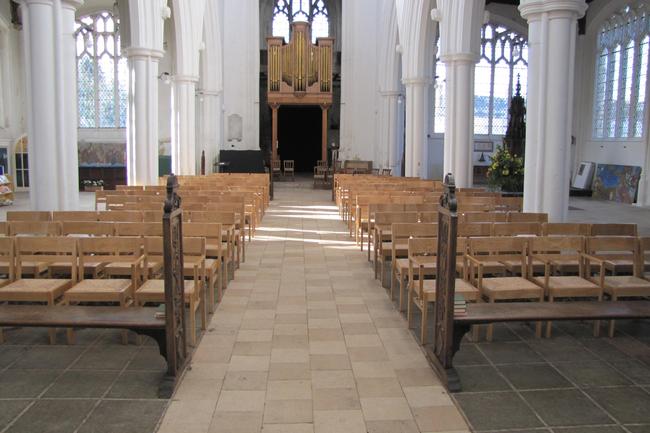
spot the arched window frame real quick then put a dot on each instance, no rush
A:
(504, 51)
(621, 75)
(314, 12)
(101, 94)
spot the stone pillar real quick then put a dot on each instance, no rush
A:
(142, 127)
(391, 127)
(460, 41)
(51, 100)
(459, 123)
(211, 126)
(184, 125)
(416, 126)
(552, 29)
(68, 146)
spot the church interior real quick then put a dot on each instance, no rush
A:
(324, 216)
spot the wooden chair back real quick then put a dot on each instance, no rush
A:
(7, 256)
(644, 254)
(613, 230)
(512, 249)
(467, 230)
(34, 228)
(566, 229)
(19, 215)
(517, 229)
(276, 165)
(142, 206)
(388, 218)
(484, 217)
(79, 215)
(386, 171)
(87, 228)
(4, 228)
(428, 217)
(289, 166)
(49, 250)
(121, 216)
(527, 217)
(153, 216)
(556, 249)
(112, 250)
(139, 229)
(614, 248)
(212, 232)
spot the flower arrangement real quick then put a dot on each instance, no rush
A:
(506, 171)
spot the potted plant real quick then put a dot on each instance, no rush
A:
(506, 172)
(93, 185)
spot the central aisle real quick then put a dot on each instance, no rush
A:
(305, 340)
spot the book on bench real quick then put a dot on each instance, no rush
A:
(460, 305)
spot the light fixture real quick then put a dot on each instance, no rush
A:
(165, 77)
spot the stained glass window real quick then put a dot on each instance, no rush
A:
(504, 60)
(621, 74)
(311, 11)
(102, 75)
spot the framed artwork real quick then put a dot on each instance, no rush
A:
(617, 183)
(483, 146)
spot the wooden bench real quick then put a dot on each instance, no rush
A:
(449, 329)
(169, 332)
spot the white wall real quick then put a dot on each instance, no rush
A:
(241, 50)
(361, 29)
(606, 151)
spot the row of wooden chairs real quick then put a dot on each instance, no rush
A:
(117, 270)
(284, 168)
(535, 269)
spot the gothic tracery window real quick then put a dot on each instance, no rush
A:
(311, 11)
(102, 74)
(621, 75)
(504, 61)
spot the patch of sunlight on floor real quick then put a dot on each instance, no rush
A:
(286, 229)
(310, 241)
(302, 212)
(332, 217)
(331, 208)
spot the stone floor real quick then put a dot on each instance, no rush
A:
(306, 340)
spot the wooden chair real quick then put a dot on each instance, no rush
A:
(214, 249)
(483, 252)
(131, 216)
(613, 230)
(34, 228)
(644, 256)
(7, 261)
(527, 217)
(566, 229)
(605, 251)
(153, 216)
(554, 252)
(215, 279)
(422, 262)
(276, 167)
(517, 229)
(143, 229)
(153, 290)
(428, 217)
(87, 228)
(472, 230)
(400, 234)
(18, 215)
(381, 229)
(320, 176)
(484, 217)
(118, 291)
(4, 228)
(289, 168)
(80, 215)
(386, 171)
(45, 250)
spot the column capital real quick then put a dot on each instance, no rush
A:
(36, 2)
(143, 52)
(72, 4)
(530, 9)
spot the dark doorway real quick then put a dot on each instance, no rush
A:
(299, 135)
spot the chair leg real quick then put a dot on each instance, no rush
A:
(423, 324)
(409, 314)
(2, 336)
(210, 284)
(549, 324)
(193, 323)
(490, 328)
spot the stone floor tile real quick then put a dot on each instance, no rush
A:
(50, 416)
(373, 369)
(533, 376)
(81, 384)
(379, 387)
(386, 408)
(332, 379)
(288, 428)
(336, 399)
(10, 409)
(629, 405)
(125, 416)
(236, 422)
(289, 390)
(289, 355)
(439, 419)
(392, 426)
(289, 371)
(591, 373)
(249, 363)
(245, 381)
(330, 362)
(566, 407)
(241, 401)
(427, 396)
(288, 412)
(495, 411)
(348, 421)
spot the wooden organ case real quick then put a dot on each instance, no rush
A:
(299, 73)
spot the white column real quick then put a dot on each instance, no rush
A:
(142, 126)
(184, 125)
(552, 28)
(460, 41)
(211, 127)
(41, 84)
(391, 128)
(416, 126)
(459, 123)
